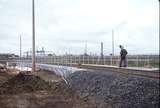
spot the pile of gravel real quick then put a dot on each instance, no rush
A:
(23, 84)
(110, 90)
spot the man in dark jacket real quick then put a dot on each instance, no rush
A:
(123, 59)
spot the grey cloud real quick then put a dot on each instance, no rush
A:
(69, 29)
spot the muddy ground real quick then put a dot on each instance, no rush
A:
(42, 90)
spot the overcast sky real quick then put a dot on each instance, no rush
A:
(65, 25)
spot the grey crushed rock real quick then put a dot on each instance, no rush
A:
(110, 90)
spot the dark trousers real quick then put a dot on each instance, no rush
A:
(123, 61)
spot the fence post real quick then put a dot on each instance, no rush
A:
(88, 59)
(137, 61)
(53, 59)
(58, 60)
(96, 60)
(111, 60)
(104, 60)
(71, 60)
(64, 60)
(83, 59)
(75, 59)
(127, 60)
(93, 60)
(79, 61)
(148, 62)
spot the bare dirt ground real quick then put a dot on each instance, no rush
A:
(85, 89)
(42, 90)
(48, 76)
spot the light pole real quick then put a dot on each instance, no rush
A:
(102, 56)
(20, 52)
(20, 49)
(113, 42)
(112, 54)
(33, 37)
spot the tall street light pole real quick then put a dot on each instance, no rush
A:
(20, 52)
(112, 54)
(33, 36)
(20, 48)
(113, 42)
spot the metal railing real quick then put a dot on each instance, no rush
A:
(147, 61)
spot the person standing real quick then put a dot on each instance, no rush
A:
(123, 54)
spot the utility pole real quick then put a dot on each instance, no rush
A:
(85, 50)
(20, 51)
(113, 42)
(112, 54)
(33, 36)
(20, 48)
(101, 50)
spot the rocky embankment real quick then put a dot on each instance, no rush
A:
(110, 90)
